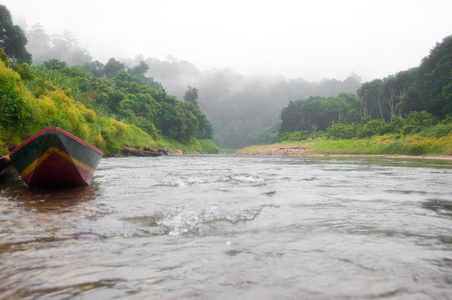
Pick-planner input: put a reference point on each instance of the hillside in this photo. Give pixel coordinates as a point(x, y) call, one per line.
point(125, 110)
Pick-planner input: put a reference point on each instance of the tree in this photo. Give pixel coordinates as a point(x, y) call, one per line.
point(191, 95)
point(319, 113)
point(434, 76)
point(66, 47)
point(96, 68)
point(395, 91)
point(39, 44)
point(139, 69)
point(371, 95)
point(12, 38)
point(113, 67)
point(63, 47)
point(55, 64)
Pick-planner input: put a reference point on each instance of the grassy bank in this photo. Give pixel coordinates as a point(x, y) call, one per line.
point(435, 141)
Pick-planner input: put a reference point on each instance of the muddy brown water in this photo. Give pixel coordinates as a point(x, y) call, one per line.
point(221, 227)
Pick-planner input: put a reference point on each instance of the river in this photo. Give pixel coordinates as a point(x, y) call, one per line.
point(226, 227)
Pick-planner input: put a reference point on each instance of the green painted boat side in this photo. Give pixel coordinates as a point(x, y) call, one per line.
point(28, 153)
point(31, 157)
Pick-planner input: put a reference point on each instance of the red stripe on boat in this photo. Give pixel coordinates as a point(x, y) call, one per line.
point(56, 169)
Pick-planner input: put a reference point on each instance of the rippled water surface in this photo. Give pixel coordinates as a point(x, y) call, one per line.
point(220, 227)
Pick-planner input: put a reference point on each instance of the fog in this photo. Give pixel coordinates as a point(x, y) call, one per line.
point(239, 106)
point(296, 39)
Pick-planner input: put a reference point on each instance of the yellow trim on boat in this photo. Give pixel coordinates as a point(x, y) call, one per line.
point(46, 154)
point(34, 164)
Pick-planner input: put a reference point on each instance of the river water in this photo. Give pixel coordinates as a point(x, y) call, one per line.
point(226, 227)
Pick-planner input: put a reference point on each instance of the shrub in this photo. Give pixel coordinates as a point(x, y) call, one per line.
point(341, 131)
point(16, 106)
point(46, 106)
point(393, 148)
point(415, 120)
point(371, 128)
point(415, 148)
point(295, 136)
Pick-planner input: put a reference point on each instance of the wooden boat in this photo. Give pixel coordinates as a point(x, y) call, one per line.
point(54, 157)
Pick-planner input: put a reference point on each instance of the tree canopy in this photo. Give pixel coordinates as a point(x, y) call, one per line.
point(64, 47)
point(124, 110)
point(425, 88)
point(12, 38)
point(191, 95)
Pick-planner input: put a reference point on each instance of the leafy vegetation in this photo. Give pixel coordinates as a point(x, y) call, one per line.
point(108, 113)
point(318, 113)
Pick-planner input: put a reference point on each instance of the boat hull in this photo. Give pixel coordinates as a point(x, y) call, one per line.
point(54, 157)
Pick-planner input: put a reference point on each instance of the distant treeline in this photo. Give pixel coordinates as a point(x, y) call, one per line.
point(379, 104)
point(241, 107)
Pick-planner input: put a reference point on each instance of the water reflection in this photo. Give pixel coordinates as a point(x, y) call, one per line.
point(61, 200)
point(32, 218)
point(49, 200)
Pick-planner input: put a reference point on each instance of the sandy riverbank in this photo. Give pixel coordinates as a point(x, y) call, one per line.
point(305, 152)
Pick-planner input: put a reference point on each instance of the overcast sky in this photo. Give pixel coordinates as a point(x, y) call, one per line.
point(298, 39)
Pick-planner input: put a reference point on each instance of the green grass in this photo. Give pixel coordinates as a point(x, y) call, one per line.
point(437, 131)
point(208, 146)
point(432, 141)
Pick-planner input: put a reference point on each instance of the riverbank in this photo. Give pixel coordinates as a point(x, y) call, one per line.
point(291, 150)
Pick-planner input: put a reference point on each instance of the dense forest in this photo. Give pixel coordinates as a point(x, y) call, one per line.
point(108, 105)
point(418, 96)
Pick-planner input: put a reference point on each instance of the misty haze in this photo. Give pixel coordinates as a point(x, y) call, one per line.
point(239, 106)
